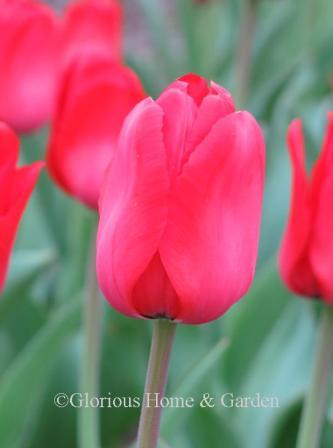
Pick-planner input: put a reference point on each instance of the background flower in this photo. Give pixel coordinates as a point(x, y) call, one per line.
point(307, 253)
point(29, 43)
point(95, 96)
point(93, 27)
point(37, 45)
point(16, 185)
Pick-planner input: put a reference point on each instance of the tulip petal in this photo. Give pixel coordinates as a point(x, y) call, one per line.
point(212, 109)
point(9, 151)
point(321, 247)
point(28, 82)
point(9, 146)
point(133, 207)
point(210, 244)
point(323, 165)
point(293, 259)
point(223, 93)
point(176, 103)
point(22, 183)
point(153, 295)
point(84, 134)
point(93, 27)
point(197, 86)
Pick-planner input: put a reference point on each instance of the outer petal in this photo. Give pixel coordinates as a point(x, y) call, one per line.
point(93, 27)
point(28, 74)
point(133, 208)
point(210, 244)
point(321, 247)
point(84, 134)
point(153, 295)
point(294, 258)
point(16, 186)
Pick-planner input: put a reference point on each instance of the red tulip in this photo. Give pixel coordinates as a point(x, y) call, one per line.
point(306, 256)
point(95, 97)
point(93, 27)
point(36, 46)
point(28, 61)
point(181, 205)
point(16, 185)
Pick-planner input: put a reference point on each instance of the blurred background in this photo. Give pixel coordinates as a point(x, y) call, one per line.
point(276, 58)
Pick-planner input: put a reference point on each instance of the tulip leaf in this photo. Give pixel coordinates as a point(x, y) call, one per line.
point(26, 263)
point(286, 427)
point(188, 385)
point(209, 429)
point(259, 310)
point(280, 369)
point(23, 379)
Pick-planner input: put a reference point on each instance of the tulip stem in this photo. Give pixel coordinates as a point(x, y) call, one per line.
point(244, 52)
point(89, 417)
point(316, 400)
point(157, 372)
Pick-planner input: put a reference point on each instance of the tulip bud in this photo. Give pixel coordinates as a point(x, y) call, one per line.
point(306, 255)
point(28, 61)
point(16, 185)
point(94, 98)
point(180, 206)
point(36, 46)
point(93, 28)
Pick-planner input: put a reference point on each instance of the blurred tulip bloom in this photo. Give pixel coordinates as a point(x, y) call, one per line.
point(93, 27)
point(306, 256)
point(28, 63)
point(95, 97)
point(181, 205)
point(16, 185)
point(36, 46)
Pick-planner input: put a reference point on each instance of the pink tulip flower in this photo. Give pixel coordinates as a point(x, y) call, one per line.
point(181, 205)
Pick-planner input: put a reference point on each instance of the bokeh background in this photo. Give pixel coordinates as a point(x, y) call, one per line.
point(264, 343)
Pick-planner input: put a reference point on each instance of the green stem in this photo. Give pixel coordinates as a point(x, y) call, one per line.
point(244, 52)
point(89, 417)
point(149, 426)
point(316, 400)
